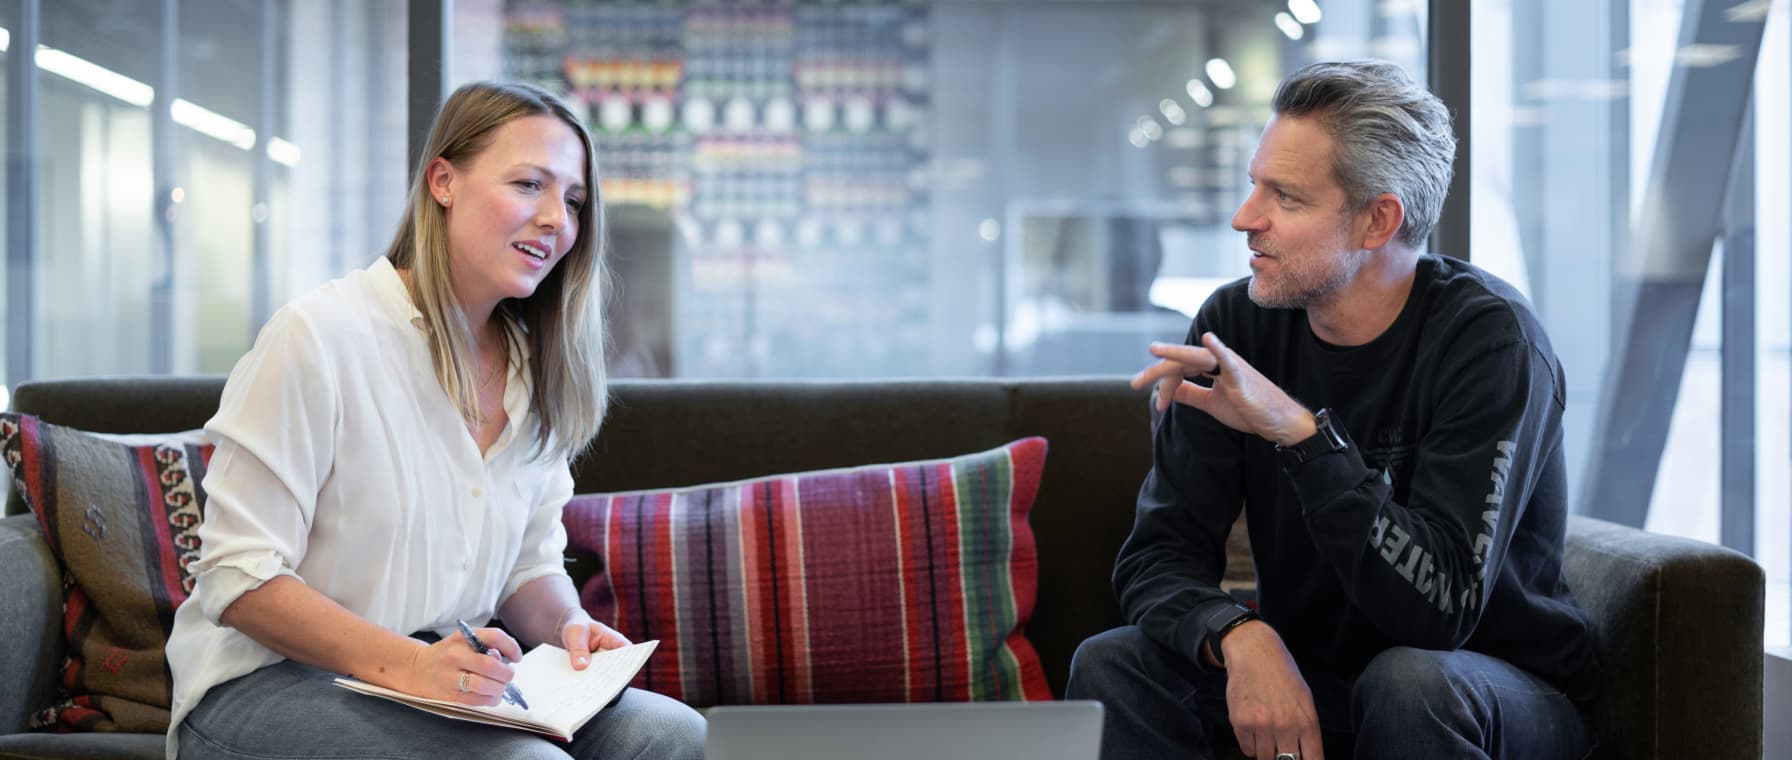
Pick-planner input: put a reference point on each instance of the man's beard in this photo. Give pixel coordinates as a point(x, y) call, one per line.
point(1311, 280)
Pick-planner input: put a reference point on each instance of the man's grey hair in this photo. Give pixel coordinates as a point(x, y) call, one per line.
point(1392, 136)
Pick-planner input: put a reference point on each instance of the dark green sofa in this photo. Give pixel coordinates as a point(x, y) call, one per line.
point(1679, 621)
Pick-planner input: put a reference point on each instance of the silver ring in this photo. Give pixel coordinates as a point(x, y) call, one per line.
point(1287, 756)
point(463, 687)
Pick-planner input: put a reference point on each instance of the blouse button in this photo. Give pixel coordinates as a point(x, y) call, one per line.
point(477, 492)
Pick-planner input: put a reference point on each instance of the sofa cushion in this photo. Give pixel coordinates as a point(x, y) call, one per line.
point(887, 583)
point(121, 515)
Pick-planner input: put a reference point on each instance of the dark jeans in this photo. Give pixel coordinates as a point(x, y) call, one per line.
point(289, 710)
point(1408, 703)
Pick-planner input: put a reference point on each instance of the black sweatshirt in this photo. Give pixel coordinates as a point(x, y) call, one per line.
point(1440, 527)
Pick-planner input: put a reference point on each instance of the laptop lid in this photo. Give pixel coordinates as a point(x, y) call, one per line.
point(980, 730)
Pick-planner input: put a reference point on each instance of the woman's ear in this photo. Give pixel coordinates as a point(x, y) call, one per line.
point(439, 177)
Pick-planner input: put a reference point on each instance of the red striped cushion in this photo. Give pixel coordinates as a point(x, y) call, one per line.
point(121, 514)
point(890, 583)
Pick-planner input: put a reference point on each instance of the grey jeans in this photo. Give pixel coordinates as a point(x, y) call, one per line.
point(289, 710)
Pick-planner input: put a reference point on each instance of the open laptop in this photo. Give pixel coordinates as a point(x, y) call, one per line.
point(943, 731)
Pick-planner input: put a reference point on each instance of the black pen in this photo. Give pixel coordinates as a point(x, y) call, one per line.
point(512, 694)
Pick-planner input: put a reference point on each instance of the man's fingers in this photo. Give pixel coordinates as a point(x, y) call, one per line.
point(1192, 395)
point(1157, 372)
point(1195, 360)
point(1225, 361)
point(1246, 741)
point(1289, 741)
point(1312, 744)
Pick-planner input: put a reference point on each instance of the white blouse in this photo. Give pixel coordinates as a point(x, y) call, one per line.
point(341, 461)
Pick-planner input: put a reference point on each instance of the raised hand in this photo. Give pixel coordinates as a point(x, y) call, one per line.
point(1241, 398)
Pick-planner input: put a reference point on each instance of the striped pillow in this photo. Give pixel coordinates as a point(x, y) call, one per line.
point(121, 514)
point(890, 583)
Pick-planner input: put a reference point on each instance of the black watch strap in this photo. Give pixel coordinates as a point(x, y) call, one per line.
point(1326, 438)
point(1240, 615)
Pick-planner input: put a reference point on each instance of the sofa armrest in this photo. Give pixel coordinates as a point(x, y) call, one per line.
point(1679, 628)
point(30, 621)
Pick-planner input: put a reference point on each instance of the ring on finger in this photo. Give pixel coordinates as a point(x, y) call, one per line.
point(463, 680)
point(1287, 756)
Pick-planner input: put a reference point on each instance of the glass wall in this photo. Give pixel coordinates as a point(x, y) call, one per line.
point(1603, 134)
point(912, 188)
point(915, 188)
point(150, 241)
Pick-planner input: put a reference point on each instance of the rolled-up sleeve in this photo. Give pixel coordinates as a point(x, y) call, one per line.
point(543, 550)
point(274, 431)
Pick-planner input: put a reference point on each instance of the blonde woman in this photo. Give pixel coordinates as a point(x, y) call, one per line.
point(393, 457)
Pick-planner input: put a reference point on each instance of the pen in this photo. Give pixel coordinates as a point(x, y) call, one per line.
point(512, 694)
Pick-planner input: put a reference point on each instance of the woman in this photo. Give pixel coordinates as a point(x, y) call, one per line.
point(393, 456)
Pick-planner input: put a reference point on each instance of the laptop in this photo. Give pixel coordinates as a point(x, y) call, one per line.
point(971, 730)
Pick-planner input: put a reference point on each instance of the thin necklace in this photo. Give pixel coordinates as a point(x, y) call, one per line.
point(492, 375)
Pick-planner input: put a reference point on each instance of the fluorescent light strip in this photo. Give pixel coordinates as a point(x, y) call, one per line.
point(187, 114)
point(98, 78)
point(1305, 11)
point(1289, 26)
point(216, 125)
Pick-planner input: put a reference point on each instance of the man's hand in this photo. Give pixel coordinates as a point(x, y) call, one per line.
point(1269, 703)
point(1241, 398)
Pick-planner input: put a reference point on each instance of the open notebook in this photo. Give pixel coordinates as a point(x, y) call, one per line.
point(560, 699)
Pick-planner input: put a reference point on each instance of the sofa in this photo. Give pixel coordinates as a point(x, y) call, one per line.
point(1679, 621)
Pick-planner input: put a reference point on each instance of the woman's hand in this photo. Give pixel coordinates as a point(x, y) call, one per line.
point(451, 670)
point(581, 636)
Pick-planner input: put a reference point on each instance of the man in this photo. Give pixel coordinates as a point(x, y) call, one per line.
point(1391, 423)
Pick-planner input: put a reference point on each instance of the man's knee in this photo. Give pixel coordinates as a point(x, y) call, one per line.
point(1407, 673)
point(1110, 656)
point(1404, 687)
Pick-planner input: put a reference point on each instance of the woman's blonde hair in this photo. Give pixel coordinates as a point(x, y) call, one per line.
point(562, 323)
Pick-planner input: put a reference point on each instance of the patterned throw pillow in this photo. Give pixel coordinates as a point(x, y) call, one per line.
point(891, 583)
point(121, 514)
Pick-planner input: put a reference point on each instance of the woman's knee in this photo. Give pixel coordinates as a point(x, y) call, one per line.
point(647, 725)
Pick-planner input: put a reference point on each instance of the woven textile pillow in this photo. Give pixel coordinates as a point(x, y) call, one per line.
point(121, 514)
point(891, 583)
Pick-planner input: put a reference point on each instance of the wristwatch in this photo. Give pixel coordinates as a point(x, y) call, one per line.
point(1240, 615)
point(1326, 440)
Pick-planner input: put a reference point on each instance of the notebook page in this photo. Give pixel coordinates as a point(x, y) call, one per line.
point(562, 697)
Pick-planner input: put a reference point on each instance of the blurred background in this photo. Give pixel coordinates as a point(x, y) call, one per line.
point(840, 189)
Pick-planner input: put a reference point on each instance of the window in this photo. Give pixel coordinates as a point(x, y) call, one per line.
point(918, 188)
point(1577, 125)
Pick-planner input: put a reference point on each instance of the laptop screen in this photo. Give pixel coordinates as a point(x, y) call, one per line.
point(981, 730)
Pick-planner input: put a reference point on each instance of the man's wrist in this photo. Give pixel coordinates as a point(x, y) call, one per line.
point(1239, 639)
point(1301, 427)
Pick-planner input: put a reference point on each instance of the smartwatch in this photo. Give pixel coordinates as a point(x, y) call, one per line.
point(1326, 440)
point(1240, 615)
